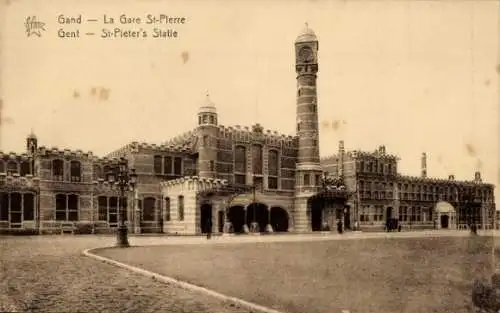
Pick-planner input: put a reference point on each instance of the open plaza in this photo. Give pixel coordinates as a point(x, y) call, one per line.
point(425, 271)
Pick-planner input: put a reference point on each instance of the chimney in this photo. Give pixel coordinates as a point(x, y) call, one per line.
point(451, 177)
point(341, 159)
point(477, 177)
point(424, 165)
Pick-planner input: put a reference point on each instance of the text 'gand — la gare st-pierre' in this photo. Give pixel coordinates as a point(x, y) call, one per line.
point(119, 26)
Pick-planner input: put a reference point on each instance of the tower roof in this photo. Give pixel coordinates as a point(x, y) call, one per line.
point(32, 135)
point(208, 105)
point(307, 35)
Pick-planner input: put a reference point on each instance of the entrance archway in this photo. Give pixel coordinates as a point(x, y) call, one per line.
point(445, 215)
point(258, 212)
point(205, 217)
point(279, 219)
point(220, 221)
point(316, 217)
point(236, 216)
point(445, 221)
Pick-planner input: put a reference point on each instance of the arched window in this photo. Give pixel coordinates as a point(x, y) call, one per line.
point(2, 167)
point(148, 213)
point(167, 209)
point(257, 159)
point(273, 166)
point(240, 165)
point(181, 208)
point(12, 168)
point(58, 170)
point(75, 171)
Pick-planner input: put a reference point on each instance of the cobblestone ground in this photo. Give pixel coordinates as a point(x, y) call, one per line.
point(50, 274)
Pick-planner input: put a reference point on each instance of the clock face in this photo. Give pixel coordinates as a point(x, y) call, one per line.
point(306, 54)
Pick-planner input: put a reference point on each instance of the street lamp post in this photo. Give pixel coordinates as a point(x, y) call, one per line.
point(126, 181)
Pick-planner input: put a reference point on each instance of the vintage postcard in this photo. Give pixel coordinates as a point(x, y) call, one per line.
point(247, 156)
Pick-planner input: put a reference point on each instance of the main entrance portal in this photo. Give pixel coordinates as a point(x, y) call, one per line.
point(445, 221)
point(206, 218)
point(328, 207)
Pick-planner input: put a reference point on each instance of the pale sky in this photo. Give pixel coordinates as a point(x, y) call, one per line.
point(415, 76)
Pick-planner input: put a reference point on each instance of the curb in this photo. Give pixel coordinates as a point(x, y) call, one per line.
point(182, 284)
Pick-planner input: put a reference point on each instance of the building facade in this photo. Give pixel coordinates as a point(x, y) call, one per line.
point(234, 179)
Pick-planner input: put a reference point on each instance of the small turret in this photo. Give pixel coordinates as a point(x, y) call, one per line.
point(31, 143)
point(207, 114)
point(207, 138)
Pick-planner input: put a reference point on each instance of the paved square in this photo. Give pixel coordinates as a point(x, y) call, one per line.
point(370, 275)
point(50, 274)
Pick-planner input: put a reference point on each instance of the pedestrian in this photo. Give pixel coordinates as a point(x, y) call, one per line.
point(209, 228)
point(339, 226)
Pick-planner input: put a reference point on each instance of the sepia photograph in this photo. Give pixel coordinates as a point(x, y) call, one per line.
point(319, 156)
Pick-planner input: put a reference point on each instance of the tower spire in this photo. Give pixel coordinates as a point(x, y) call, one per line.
point(308, 171)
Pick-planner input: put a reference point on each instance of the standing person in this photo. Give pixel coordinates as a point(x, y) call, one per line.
point(339, 226)
point(209, 228)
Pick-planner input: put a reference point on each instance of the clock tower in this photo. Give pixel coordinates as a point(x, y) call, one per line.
point(308, 169)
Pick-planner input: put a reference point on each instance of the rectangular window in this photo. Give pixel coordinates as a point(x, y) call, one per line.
point(60, 207)
point(178, 166)
point(272, 183)
point(307, 180)
point(257, 159)
point(158, 163)
point(167, 169)
point(72, 208)
point(102, 208)
point(113, 210)
point(29, 207)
